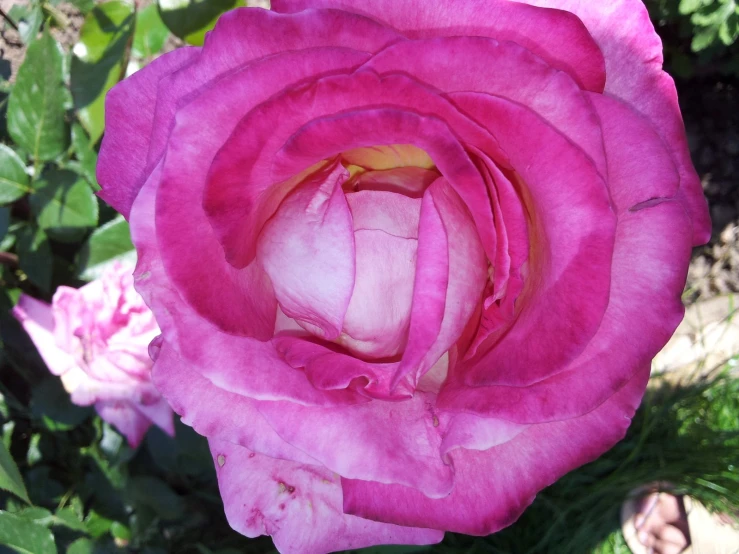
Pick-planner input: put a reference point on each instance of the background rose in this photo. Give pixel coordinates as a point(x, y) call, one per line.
point(96, 339)
point(422, 336)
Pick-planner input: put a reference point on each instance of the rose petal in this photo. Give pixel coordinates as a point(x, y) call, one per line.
point(370, 441)
point(489, 491)
point(633, 55)
point(123, 416)
point(36, 318)
point(191, 252)
point(572, 232)
point(566, 45)
point(129, 118)
point(298, 504)
point(307, 249)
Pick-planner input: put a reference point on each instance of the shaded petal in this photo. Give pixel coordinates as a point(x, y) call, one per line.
point(633, 55)
point(216, 413)
point(370, 441)
point(572, 231)
point(129, 118)
point(566, 44)
point(37, 320)
point(650, 263)
point(300, 505)
point(123, 416)
point(160, 415)
point(307, 249)
point(489, 491)
point(407, 181)
point(640, 167)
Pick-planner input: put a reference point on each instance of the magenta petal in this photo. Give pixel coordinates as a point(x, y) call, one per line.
point(297, 129)
point(37, 320)
point(633, 54)
point(571, 232)
point(307, 249)
point(650, 262)
point(160, 414)
point(370, 441)
point(216, 413)
point(451, 274)
point(126, 418)
point(493, 487)
point(191, 253)
point(566, 45)
point(503, 69)
point(243, 36)
point(129, 116)
point(299, 504)
point(640, 167)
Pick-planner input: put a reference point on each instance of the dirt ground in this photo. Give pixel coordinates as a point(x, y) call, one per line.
point(712, 123)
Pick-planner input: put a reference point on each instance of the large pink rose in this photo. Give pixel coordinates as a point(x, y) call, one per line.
point(96, 338)
point(411, 259)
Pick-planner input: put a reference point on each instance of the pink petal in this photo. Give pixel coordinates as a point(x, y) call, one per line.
point(36, 318)
point(370, 441)
point(633, 54)
point(124, 417)
point(395, 214)
point(216, 413)
point(572, 233)
point(376, 324)
point(650, 262)
point(191, 253)
point(301, 127)
point(477, 64)
point(566, 44)
point(490, 491)
point(452, 270)
point(242, 36)
point(299, 504)
point(640, 167)
point(307, 249)
point(266, 375)
point(160, 415)
point(129, 115)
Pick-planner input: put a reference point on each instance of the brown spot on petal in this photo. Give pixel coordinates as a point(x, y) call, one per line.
point(221, 460)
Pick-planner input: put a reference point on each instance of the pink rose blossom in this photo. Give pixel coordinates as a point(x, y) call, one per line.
point(411, 259)
point(96, 339)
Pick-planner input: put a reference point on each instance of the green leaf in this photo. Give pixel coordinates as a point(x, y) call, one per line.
point(99, 61)
point(107, 244)
point(155, 494)
point(10, 477)
point(34, 256)
point(86, 155)
point(24, 536)
point(151, 32)
point(13, 176)
point(64, 205)
point(191, 19)
point(68, 518)
point(36, 115)
point(81, 546)
point(51, 404)
point(4, 221)
point(30, 24)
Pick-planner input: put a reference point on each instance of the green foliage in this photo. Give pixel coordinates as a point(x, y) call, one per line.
point(99, 61)
point(191, 19)
point(698, 34)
